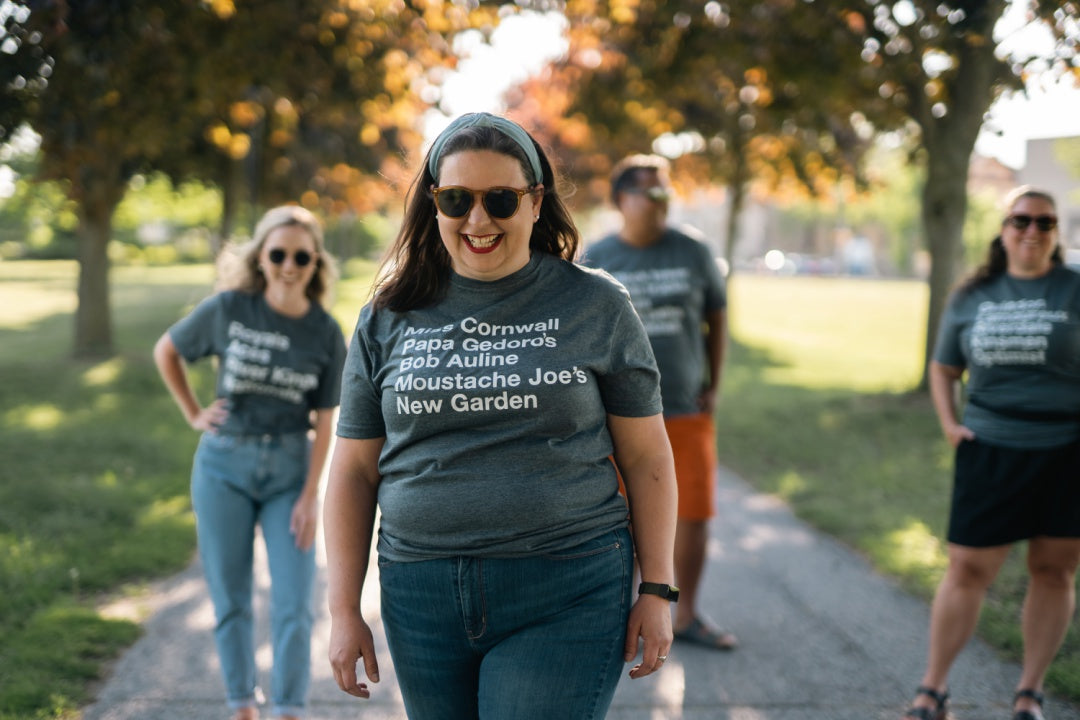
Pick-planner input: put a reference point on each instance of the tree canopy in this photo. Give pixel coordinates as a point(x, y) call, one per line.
point(780, 89)
point(304, 100)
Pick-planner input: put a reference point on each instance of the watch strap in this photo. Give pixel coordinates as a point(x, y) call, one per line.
point(668, 592)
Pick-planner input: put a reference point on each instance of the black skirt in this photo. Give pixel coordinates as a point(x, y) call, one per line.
point(1002, 495)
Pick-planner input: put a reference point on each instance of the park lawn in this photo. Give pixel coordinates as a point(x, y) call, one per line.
point(94, 491)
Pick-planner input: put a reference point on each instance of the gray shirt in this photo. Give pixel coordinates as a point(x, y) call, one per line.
point(273, 369)
point(674, 283)
point(1020, 342)
point(494, 405)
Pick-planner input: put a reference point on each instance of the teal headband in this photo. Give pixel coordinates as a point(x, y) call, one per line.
point(508, 128)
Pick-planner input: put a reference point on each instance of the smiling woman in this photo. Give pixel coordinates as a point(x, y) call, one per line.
point(498, 483)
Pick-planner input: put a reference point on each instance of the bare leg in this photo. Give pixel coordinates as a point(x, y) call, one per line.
point(691, 537)
point(955, 610)
point(1048, 608)
point(246, 713)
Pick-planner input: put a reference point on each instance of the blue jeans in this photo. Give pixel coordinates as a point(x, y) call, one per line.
point(526, 638)
point(238, 482)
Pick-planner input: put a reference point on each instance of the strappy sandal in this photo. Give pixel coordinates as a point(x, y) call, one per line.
point(925, 713)
point(1035, 695)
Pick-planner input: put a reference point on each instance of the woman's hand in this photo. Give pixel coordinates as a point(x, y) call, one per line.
point(957, 433)
point(211, 417)
point(304, 520)
point(650, 620)
point(351, 642)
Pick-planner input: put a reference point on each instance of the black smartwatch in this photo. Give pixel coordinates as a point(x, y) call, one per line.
point(668, 592)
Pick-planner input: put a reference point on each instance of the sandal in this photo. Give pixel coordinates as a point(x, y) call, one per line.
point(699, 633)
point(1035, 695)
point(925, 713)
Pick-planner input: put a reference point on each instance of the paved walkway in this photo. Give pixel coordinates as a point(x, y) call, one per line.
point(823, 638)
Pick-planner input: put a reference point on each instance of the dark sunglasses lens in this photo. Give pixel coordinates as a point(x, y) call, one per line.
point(1045, 223)
point(302, 257)
point(277, 256)
point(454, 202)
point(501, 203)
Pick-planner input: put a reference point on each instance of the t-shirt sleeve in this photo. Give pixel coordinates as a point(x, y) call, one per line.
point(631, 386)
point(360, 416)
point(193, 335)
point(947, 348)
point(329, 393)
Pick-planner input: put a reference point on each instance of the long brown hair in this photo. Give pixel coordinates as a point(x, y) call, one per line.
point(416, 269)
point(997, 261)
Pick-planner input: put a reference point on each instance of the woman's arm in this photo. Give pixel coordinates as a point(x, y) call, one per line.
point(643, 455)
point(305, 513)
point(943, 382)
point(349, 518)
point(171, 367)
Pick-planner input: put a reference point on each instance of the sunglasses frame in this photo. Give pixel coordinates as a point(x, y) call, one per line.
point(278, 256)
point(1022, 221)
point(435, 191)
point(655, 193)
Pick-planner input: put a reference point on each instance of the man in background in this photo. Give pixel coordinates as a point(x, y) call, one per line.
point(677, 289)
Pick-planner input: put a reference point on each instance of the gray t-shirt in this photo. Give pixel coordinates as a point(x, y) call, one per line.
point(273, 369)
point(1020, 342)
point(493, 403)
point(673, 283)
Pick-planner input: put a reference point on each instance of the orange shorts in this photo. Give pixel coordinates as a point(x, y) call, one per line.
point(693, 443)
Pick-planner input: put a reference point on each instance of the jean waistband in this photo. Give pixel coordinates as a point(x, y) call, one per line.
point(262, 438)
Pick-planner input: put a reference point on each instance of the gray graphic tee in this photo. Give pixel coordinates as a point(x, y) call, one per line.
point(273, 369)
point(673, 284)
point(1020, 342)
point(493, 403)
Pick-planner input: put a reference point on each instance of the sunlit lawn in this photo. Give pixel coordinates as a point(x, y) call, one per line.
point(93, 487)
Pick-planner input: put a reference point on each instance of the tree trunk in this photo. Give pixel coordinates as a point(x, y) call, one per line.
point(93, 316)
point(949, 142)
point(739, 180)
point(231, 199)
point(944, 206)
point(738, 199)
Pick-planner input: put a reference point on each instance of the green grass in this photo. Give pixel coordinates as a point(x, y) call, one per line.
point(94, 483)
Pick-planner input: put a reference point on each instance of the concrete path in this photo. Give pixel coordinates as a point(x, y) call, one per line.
point(823, 638)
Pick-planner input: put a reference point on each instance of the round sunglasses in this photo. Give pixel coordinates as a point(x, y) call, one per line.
point(1045, 223)
point(300, 257)
point(501, 203)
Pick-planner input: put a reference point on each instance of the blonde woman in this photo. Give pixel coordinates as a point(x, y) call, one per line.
point(265, 439)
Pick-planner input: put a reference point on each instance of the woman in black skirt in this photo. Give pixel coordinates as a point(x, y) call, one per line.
point(1014, 327)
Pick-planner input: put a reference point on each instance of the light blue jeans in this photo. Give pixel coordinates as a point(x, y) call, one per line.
point(239, 482)
point(530, 638)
